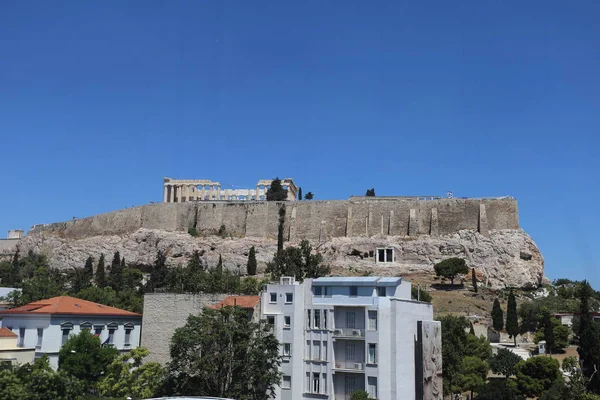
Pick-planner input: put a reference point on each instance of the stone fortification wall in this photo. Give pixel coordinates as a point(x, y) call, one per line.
point(313, 220)
point(165, 312)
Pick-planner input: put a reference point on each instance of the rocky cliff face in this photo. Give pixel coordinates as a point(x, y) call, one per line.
point(506, 258)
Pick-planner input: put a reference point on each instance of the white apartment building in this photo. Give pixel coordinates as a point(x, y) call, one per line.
point(342, 334)
point(47, 324)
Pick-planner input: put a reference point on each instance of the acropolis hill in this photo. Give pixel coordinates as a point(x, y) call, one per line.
point(380, 235)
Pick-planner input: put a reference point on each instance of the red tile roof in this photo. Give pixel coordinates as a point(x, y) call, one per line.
point(68, 305)
point(5, 332)
point(240, 301)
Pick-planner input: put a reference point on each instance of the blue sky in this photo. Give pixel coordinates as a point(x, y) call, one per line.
point(99, 100)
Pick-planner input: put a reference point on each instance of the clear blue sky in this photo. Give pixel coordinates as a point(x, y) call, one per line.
point(99, 100)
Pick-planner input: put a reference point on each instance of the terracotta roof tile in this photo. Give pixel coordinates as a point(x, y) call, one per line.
point(240, 301)
point(68, 305)
point(5, 332)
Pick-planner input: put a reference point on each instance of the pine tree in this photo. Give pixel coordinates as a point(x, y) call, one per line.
point(497, 316)
point(512, 320)
point(299, 193)
point(309, 196)
point(100, 273)
point(251, 266)
point(276, 192)
point(474, 279)
point(370, 192)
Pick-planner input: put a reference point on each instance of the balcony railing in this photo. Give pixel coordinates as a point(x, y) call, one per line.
point(349, 366)
point(349, 333)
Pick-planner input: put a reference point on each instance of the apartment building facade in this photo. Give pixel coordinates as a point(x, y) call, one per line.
point(343, 334)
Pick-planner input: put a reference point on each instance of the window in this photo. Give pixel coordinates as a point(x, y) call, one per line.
point(385, 255)
point(289, 298)
point(353, 291)
point(127, 337)
point(308, 349)
point(372, 320)
point(307, 385)
point(324, 319)
point(272, 298)
point(316, 382)
point(318, 291)
point(372, 353)
point(40, 336)
point(65, 335)
point(287, 349)
point(324, 352)
point(350, 383)
point(271, 320)
point(350, 351)
point(324, 383)
point(317, 319)
point(111, 336)
point(316, 354)
point(381, 291)
point(350, 319)
point(85, 326)
point(389, 255)
point(21, 337)
point(287, 321)
point(98, 330)
point(308, 320)
point(372, 386)
point(380, 255)
point(287, 382)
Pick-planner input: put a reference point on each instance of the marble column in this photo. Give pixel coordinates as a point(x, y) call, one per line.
point(165, 191)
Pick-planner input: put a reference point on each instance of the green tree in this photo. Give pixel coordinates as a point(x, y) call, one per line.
point(276, 192)
point(299, 193)
point(280, 228)
point(360, 395)
point(100, 273)
point(11, 387)
point(297, 262)
point(450, 268)
point(497, 316)
point(115, 273)
point(313, 263)
point(45, 284)
point(537, 374)
point(78, 279)
point(89, 268)
point(589, 339)
point(473, 374)
point(309, 196)
point(128, 376)
point(474, 279)
point(504, 362)
point(219, 268)
point(7, 274)
point(454, 341)
point(512, 320)
point(251, 265)
point(548, 330)
point(499, 390)
point(159, 274)
point(370, 193)
point(416, 293)
point(222, 353)
point(478, 347)
point(84, 357)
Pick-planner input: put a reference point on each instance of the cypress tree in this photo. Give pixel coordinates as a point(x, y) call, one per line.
point(89, 268)
point(300, 193)
point(101, 273)
point(497, 316)
point(512, 320)
point(220, 264)
point(116, 272)
point(589, 339)
point(280, 229)
point(548, 327)
point(474, 279)
point(251, 266)
point(276, 192)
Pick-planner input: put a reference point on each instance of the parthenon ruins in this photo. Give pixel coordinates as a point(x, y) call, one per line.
point(182, 190)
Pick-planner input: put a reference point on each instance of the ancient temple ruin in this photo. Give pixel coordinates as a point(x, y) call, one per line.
point(185, 190)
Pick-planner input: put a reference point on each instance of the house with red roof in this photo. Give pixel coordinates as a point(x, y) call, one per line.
point(249, 303)
point(47, 324)
point(10, 352)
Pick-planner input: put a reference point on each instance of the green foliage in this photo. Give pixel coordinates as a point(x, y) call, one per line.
point(224, 354)
point(497, 316)
point(280, 228)
point(89, 268)
point(419, 294)
point(558, 338)
point(558, 391)
point(45, 283)
point(128, 376)
point(504, 362)
point(499, 390)
point(115, 273)
point(192, 231)
point(309, 196)
point(569, 364)
point(478, 347)
point(370, 192)
point(450, 268)
point(473, 374)
point(84, 357)
point(589, 339)
point(78, 279)
point(512, 319)
point(360, 395)
point(100, 276)
point(537, 375)
point(11, 387)
point(159, 274)
point(454, 340)
point(9, 275)
point(276, 192)
point(299, 193)
point(251, 265)
point(222, 233)
point(474, 279)
point(299, 262)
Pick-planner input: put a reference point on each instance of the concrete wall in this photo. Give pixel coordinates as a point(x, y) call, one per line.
point(316, 220)
point(165, 312)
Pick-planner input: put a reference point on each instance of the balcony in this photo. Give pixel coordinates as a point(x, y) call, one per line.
point(350, 366)
point(349, 333)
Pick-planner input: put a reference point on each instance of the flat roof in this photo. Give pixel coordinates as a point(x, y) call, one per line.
point(357, 281)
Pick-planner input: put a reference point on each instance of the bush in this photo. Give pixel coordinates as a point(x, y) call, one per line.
point(192, 231)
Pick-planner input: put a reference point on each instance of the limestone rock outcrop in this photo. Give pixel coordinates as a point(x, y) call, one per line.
point(505, 257)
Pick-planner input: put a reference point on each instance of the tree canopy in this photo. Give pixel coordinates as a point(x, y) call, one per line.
point(512, 319)
point(276, 192)
point(537, 375)
point(497, 316)
point(504, 362)
point(299, 262)
point(450, 268)
point(222, 353)
point(370, 193)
